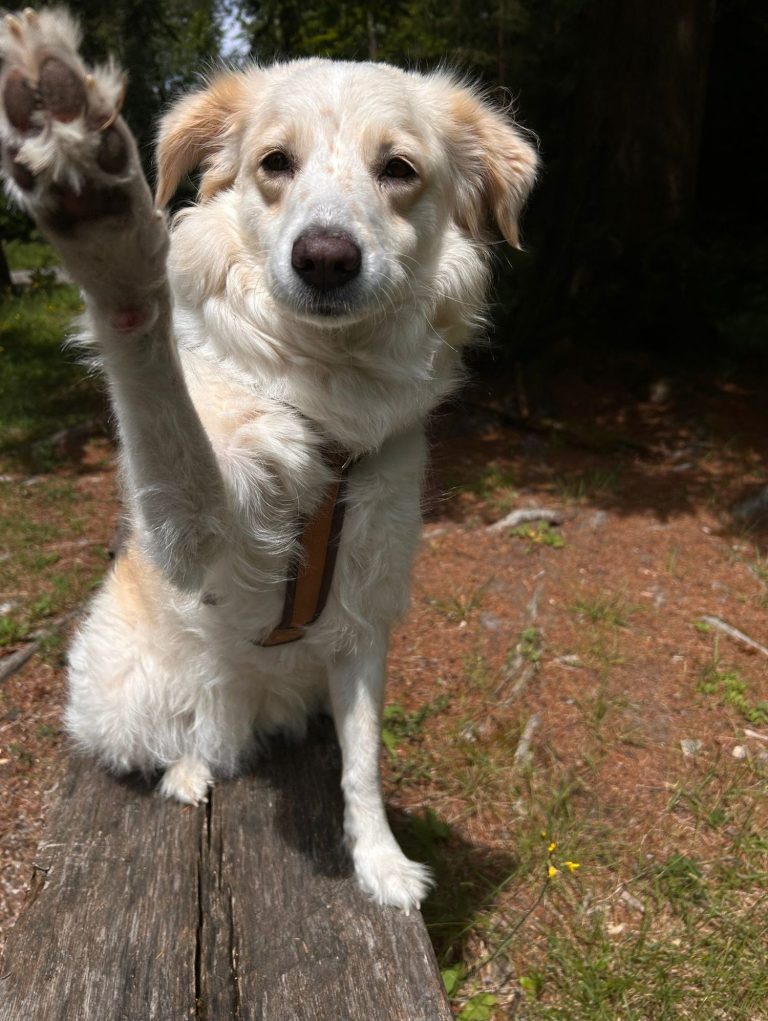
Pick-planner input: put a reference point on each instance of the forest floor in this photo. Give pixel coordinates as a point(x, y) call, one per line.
point(579, 754)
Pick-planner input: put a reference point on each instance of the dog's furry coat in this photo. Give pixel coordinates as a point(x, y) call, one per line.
point(229, 372)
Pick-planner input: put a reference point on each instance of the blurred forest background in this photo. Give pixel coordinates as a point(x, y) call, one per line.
point(647, 231)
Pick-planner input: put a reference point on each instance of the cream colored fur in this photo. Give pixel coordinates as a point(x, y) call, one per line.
point(226, 382)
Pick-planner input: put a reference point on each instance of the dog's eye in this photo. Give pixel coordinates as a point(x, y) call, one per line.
point(277, 163)
point(399, 170)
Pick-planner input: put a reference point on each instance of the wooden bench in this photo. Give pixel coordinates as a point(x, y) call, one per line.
point(246, 908)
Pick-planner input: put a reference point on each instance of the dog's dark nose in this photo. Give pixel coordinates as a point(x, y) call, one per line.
point(325, 260)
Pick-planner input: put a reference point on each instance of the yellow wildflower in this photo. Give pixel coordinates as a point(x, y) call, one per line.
point(552, 847)
point(572, 865)
point(552, 872)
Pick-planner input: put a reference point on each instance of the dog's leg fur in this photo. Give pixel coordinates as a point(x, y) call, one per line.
point(356, 683)
point(71, 162)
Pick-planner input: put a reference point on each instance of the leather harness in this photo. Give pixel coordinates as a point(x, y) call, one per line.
point(311, 570)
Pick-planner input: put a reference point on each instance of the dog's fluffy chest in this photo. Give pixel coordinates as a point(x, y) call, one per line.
point(275, 467)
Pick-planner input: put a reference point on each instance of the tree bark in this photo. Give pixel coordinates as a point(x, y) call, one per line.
point(5, 271)
point(625, 180)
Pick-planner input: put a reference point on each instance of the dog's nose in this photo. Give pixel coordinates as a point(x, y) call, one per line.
point(325, 260)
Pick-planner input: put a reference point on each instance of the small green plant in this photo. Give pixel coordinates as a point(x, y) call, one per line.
point(731, 688)
point(46, 732)
point(583, 486)
point(759, 567)
point(23, 756)
point(12, 630)
point(680, 880)
point(672, 562)
point(400, 726)
point(453, 978)
point(612, 610)
point(532, 984)
point(458, 607)
point(530, 644)
point(542, 534)
point(480, 1007)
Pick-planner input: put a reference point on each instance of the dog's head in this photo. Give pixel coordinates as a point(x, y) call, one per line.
point(345, 183)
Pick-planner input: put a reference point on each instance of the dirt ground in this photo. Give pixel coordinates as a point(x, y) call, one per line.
point(551, 682)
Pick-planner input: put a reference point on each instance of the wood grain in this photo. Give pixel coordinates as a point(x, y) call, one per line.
point(243, 909)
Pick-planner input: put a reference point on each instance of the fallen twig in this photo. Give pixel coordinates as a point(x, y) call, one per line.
point(523, 750)
point(16, 660)
point(521, 668)
point(524, 515)
point(734, 633)
point(755, 734)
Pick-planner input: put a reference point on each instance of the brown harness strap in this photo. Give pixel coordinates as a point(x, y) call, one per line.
point(311, 574)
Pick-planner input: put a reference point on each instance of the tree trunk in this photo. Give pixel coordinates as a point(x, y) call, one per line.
point(370, 25)
point(624, 184)
point(5, 271)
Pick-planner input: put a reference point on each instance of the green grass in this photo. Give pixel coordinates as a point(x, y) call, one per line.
point(579, 487)
point(34, 254)
point(610, 609)
point(42, 390)
point(697, 952)
point(512, 941)
point(401, 726)
point(495, 484)
point(42, 387)
point(732, 688)
point(456, 608)
point(33, 520)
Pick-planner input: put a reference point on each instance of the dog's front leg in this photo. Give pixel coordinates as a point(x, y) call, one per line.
point(357, 687)
point(70, 160)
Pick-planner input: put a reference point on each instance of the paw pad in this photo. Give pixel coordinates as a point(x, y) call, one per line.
point(112, 156)
point(61, 90)
point(20, 101)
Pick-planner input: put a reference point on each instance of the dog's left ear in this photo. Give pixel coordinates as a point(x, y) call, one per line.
point(202, 128)
point(494, 166)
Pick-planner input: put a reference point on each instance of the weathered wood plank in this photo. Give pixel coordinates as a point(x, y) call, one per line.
point(244, 909)
point(111, 928)
point(287, 934)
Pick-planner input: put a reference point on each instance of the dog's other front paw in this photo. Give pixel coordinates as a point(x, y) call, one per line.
point(187, 780)
point(386, 875)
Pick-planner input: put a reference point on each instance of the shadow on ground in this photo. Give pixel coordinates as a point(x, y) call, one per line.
point(626, 442)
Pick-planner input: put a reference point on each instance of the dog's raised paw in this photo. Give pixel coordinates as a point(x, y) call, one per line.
point(187, 780)
point(388, 877)
point(65, 151)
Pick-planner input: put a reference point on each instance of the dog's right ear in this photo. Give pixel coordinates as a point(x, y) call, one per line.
point(495, 163)
point(202, 128)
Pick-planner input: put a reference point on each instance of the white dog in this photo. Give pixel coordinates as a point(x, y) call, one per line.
point(271, 366)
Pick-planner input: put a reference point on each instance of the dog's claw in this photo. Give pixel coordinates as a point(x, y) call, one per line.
point(14, 26)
